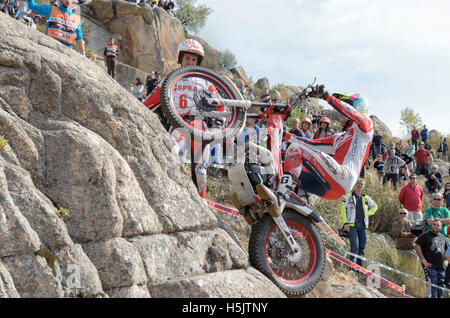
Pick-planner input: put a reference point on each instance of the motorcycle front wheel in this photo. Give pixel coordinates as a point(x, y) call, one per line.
point(295, 274)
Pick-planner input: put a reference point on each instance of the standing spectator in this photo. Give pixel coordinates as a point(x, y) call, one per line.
point(384, 152)
point(429, 147)
point(60, 22)
point(414, 137)
point(403, 175)
point(437, 211)
point(379, 166)
point(7, 8)
point(153, 83)
point(295, 129)
point(324, 129)
point(138, 89)
point(410, 150)
point(447, 195)
point(17, 10)
point(250, 94)
point(424, 133)
point(376, 144)
point(431, 248)
point(434, 182)
point(423, 160)
point(315, 120)
point(111, 52)
point(411, 197)
point(306, 128)
point(391, 168)
point(148, 81)
point(401, 231)
point(266, 97)
point(356, 208)
point(443, 148)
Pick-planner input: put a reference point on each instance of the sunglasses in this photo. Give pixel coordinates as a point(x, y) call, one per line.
point(403, 213)
point(437, 199)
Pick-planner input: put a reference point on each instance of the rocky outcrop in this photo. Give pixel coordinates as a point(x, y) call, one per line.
point(77, 140)
point(148, 38)
point(380, 126)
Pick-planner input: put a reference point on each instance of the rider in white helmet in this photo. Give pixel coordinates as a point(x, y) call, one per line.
point(190, 53)
point(308, 163)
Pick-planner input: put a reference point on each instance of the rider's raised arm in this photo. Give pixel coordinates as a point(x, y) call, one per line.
point(348, 111)
point(322, 144)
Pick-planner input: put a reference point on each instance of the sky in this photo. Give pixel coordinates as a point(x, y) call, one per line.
point(396, 53)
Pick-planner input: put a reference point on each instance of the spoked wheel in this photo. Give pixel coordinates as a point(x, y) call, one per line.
point(295, 274)
point(183, 100)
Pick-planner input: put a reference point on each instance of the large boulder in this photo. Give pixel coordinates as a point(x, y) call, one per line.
point(148, 38)
point(380, 126)
point(79, 141)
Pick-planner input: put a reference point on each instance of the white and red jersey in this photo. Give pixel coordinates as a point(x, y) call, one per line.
point(349, 149)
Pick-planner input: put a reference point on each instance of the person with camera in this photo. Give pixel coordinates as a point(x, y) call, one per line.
point(401, 231)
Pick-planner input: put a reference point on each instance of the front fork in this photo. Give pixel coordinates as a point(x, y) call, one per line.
point(281, 223)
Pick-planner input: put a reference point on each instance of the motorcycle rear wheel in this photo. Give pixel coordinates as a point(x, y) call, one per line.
point(199, 79)
point(269, 253)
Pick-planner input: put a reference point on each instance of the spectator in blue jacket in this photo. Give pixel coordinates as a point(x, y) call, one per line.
point(62, 24)
point(424, 133)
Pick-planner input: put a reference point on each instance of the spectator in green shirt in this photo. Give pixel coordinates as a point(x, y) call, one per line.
point(436, 211)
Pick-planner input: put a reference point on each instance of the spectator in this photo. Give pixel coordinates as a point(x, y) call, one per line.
point(61, 30)
point(384, 153)
point(379, 166)
point(356, 208)
point(401, 231)
point(424, 133)
point(431, 248)
point(423, 160)
point(414, 137)
point(148, 80)
point(170, 5)
point(315, 120)
point(324, 129)
point(250, 95)
point(153, 3)
point(17, 10)
point(403, 175)
point(266, 97)
point(376, 144)
point(391, 168)
point(434, 182)
point(295, 129)
point(7, 8)
point(138, 89)
point(110, 53)
point(429, 147)
point(437, 211)
point(443, 148)
point(405, 157)
point(162, 3)
point(306, 128)
point(153, 83)
point(411, 197)
point(410, 150)
point(447, 195)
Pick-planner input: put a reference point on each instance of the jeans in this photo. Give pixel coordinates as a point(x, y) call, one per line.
point(435, 277)
point(422, 168)
point(415, 215)
point(358, 239)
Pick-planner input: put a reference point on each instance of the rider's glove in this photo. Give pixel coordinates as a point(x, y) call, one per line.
point(318, 91)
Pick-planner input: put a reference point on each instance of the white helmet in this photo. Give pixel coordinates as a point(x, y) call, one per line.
point(190, 46)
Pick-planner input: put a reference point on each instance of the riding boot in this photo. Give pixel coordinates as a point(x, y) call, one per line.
point(278, 199)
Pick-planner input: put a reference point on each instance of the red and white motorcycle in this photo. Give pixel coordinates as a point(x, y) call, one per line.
point(287, 248)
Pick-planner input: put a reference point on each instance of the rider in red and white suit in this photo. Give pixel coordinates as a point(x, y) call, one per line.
point(190, 53)
point(308, 162)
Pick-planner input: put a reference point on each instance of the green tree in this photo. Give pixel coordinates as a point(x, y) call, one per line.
point(193, 18)
point(409, 119)
point(227, 59)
